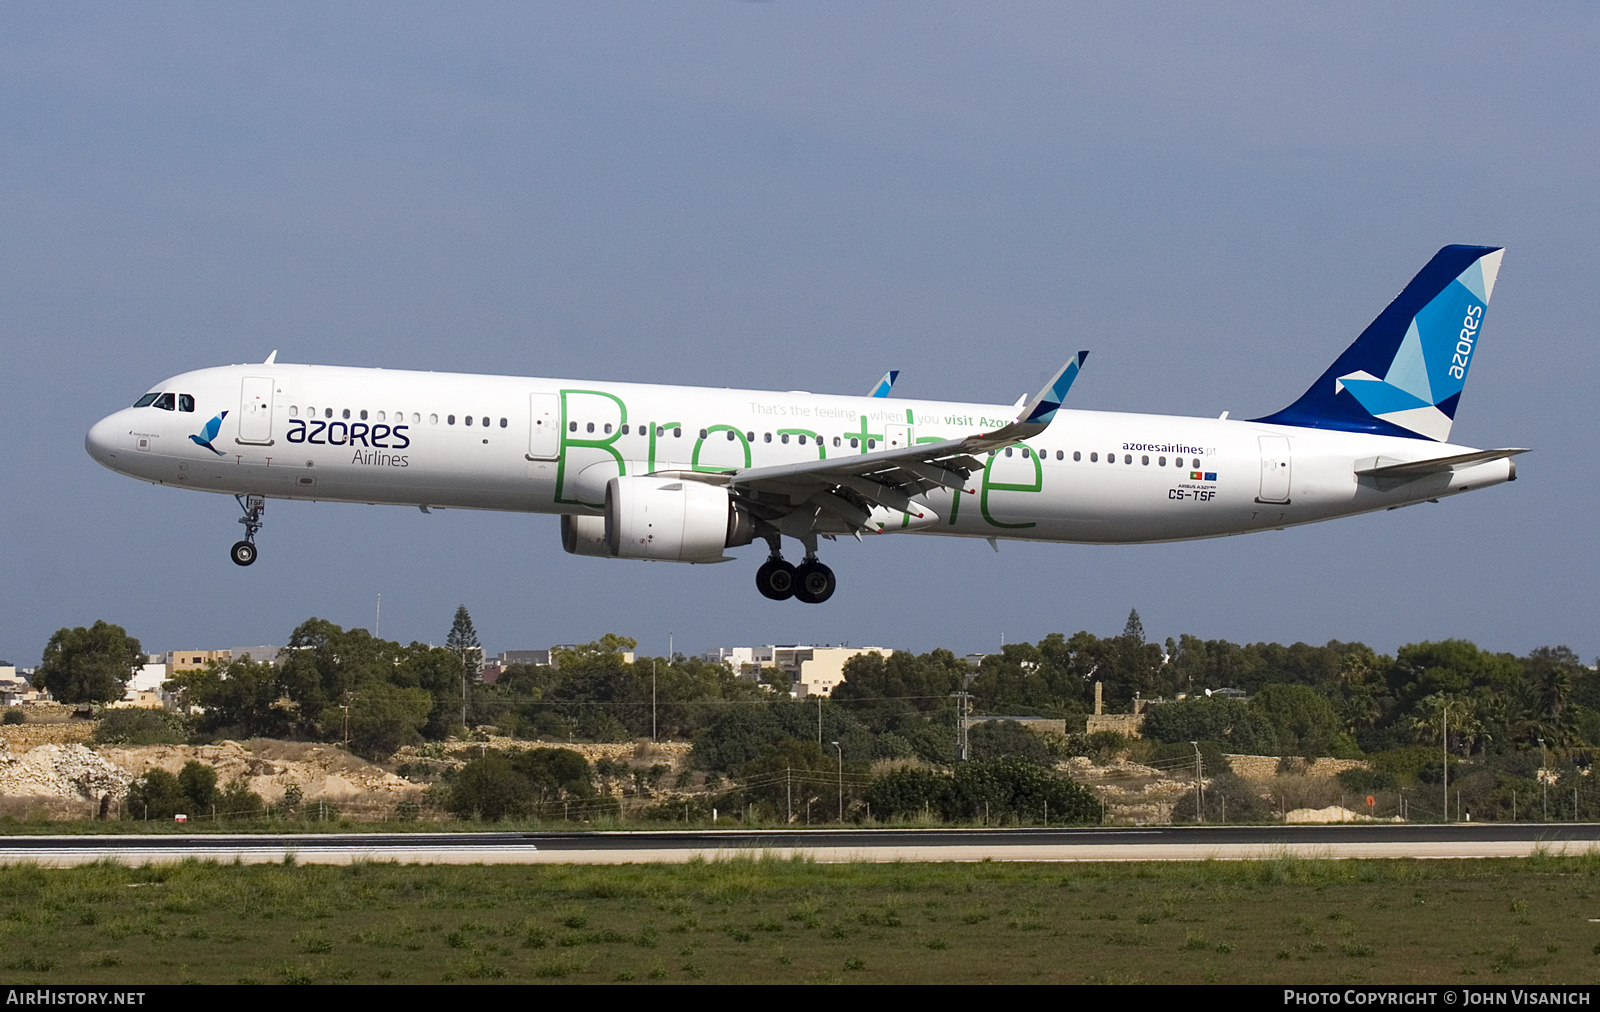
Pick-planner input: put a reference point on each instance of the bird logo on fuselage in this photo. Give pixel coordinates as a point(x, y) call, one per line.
point(209, 433)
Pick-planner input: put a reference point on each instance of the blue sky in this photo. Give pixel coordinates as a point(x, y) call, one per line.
point(782, 195)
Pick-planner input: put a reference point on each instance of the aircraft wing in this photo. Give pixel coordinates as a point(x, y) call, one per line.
point(847, 487)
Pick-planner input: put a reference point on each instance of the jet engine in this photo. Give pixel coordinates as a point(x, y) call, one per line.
point(584, 535)
point(670, 520)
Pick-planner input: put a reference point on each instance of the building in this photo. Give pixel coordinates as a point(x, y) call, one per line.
point(538, 658)
point(740, 660)
point(259, 654)
point(813, 671)
point(178, 661)
point(1125, 724)
point(545, 658)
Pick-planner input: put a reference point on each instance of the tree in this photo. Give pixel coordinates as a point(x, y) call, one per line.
point(90, 665)
point(463, 639)
point(241, 699)
point(1241, 726)
point(1133, 629)
point(385, 717)
point(1305, 723)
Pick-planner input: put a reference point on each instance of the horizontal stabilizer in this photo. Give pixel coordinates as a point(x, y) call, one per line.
point(1437, 465)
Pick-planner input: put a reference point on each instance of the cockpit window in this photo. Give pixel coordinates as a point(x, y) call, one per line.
point(186, 402)
point(146, 400)
point(166, 402)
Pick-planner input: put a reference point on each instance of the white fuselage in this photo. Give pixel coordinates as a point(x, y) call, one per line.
point(549, 446)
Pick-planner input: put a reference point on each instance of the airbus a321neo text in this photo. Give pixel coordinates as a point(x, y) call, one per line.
point(682, 474)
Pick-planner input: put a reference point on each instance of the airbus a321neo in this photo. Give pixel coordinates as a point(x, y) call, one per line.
point(682, 474)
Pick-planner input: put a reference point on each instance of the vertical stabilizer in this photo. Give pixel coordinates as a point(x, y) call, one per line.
point(1404, 375)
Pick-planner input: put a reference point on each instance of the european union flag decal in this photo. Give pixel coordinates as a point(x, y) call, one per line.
point(1202, 476)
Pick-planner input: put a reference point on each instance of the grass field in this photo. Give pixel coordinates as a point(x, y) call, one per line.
point(757, 919)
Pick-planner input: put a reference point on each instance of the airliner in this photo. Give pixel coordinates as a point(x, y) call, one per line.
point(683, 474)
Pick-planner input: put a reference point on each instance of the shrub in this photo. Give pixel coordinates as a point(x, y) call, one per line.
point(13, 716)
point(238, 801)
point(198, 782)
point(490, 788)
point(139, 727)
point(156, 795)
point(999, 739)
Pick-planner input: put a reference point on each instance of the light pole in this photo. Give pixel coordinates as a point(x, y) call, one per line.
point(841, 781)
point(652, 699)
point(1199, 811)
point(1446, 711)
point(1544, 782)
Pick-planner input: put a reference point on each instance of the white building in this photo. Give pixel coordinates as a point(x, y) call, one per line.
point(813, 671)
point(740, 660)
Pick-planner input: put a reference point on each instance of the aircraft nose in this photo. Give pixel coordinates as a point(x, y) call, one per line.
point(102, 441)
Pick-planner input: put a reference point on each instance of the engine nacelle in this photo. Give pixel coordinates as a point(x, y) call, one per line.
point(584, 535)
point(672, 520)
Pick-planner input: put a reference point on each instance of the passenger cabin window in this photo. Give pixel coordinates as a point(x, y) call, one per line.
point(749, 437)
point(468, 420)
point(1161, 462)
point(504, 423)
point(1127, 458)
point(1094, 458)
point(327, 412)
point(451, 420)
point(363, 414)
point(146, 400)
point(186, 402)
point(347, 412)
point(294, 411)
point(732, 435)
point(1145, 460)
point(1077, 454)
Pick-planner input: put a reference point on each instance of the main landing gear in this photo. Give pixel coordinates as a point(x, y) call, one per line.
point(810, 582)
point(243, 552)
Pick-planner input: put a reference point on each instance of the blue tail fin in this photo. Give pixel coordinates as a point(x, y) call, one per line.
point(1403, 376)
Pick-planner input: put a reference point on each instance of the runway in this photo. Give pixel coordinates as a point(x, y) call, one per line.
point(1155, 843)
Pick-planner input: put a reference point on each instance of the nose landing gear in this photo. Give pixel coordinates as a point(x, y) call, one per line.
point(243, 552)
